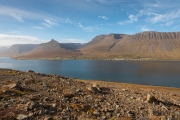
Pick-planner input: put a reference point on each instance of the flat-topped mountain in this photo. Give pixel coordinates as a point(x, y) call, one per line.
point(158, 45)
point(145, 45)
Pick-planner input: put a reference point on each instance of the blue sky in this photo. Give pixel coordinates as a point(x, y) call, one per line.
point(37, 21)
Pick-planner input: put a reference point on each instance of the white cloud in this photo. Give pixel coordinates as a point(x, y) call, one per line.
point(80, 25)
point(14, 32)
point(152, 16)
point(169, 23)
point(178, 26)
point(20, 14)
point(160, 4)
point(17, 17)
point(146, 29)
point(109, 1)
point(8, 40)
point(49, 23)
point(88, 28)
point(68, 21)
point(38, 27)
point(72, 40)
point(164, 17)
point(103, 17)
point(132, 19)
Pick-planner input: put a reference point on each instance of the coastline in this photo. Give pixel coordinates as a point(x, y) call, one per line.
point(30, 95)
point(107, 59)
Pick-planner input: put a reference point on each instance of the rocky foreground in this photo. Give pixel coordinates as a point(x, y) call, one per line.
point(29, 95)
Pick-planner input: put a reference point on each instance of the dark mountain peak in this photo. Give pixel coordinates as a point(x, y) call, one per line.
point(49, 45)
point(53, 41)
point(111, 37)
point(118, 36)
point(71, 46)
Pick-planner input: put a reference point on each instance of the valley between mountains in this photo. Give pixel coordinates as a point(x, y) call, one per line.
point(140, 46)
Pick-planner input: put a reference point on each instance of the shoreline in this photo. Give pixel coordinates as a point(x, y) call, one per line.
point(142, 60)
point(141, 86)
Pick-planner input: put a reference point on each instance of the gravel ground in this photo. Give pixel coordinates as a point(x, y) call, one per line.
point(29, 95)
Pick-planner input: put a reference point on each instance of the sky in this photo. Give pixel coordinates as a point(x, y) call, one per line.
point(79, 21)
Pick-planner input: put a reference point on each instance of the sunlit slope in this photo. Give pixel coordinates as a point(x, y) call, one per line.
point(158, 45)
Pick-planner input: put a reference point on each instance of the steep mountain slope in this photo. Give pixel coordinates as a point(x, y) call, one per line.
point(18, 49)
point(158, 45)
point(50, 49)
point(146, 45)
point(101, 45)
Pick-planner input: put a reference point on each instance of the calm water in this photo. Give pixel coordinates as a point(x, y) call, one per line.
point(163, 73)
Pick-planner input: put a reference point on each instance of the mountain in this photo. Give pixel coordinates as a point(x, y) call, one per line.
point(101, 45)
point(145, 45)
point(153, 45)
point(52, 49)
point(3, 49)
point(18, 49)
point(71, 46)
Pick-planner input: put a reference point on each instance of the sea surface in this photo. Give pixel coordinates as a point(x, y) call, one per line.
point(159, 73)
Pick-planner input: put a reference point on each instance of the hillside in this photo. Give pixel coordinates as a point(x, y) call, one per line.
point(101, 45)
point(145, 45)
point(51, 49)
point(17, 49)
point(157, 45)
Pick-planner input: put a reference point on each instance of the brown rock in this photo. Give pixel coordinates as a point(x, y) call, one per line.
point(21, 117)
point(151, 99)
point(93, 89)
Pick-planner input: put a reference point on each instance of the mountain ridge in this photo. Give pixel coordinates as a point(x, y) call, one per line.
point(144, 45)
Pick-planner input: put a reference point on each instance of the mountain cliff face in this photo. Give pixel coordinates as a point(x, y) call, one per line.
point(102, 43)
point(159, 45)
point(146, 45)
point(50, 49)
point(71, 46)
